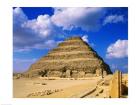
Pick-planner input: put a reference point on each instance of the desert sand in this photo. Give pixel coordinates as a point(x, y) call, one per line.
point(90, 87)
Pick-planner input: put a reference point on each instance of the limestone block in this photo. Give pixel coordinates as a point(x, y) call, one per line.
point(104, 73)
point(81, 74)
point(89, 75)
point(68, 73)
point(98, 72)
point(115, 87)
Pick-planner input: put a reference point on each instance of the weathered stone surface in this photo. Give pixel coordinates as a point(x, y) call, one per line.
point(115, 87)
point(71, 58)
point(125, 84)
point(119, 85)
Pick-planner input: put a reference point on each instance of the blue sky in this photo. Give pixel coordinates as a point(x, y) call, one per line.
point(38, 30)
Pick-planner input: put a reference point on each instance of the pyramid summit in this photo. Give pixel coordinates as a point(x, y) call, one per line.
point(72, 58)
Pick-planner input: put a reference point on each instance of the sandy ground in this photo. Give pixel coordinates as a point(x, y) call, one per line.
point(23, 87)
point(93, 88)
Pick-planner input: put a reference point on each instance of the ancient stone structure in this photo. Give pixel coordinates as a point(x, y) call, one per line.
point(119, 85)
point(124, 85)
point(72, 58)
point(115, 88)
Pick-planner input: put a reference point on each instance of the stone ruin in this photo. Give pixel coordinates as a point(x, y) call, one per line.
point(72, 58)
point(119, 85)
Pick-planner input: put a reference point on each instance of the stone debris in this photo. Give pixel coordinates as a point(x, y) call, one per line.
point(44, 93)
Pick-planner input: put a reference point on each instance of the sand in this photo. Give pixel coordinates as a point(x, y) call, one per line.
point(69, 88)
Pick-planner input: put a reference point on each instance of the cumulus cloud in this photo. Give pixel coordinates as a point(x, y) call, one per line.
point(36, 33)
point(85, 38)
point(39, 33)
point(43, 26)
point(84, 18)
point(19, 16)
point(49, 44)
point(119, 49)
point(113, 19)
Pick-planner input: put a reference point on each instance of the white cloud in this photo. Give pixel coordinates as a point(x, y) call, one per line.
point(49, 44)
point(19, 16)
point(113, 19)
point(85, 38)
point(43, 26)
point(39, 32)
point(84, 18)
point(33, 34)
point(119, 49)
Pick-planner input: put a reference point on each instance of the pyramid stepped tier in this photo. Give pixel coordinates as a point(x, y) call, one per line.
point(69, 55)
point(72, 58)
point(74, 43)
point(69, 49)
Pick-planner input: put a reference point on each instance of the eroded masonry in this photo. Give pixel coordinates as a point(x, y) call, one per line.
point(72, 58)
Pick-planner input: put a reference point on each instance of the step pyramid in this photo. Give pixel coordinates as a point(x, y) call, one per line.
point(72, 58)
